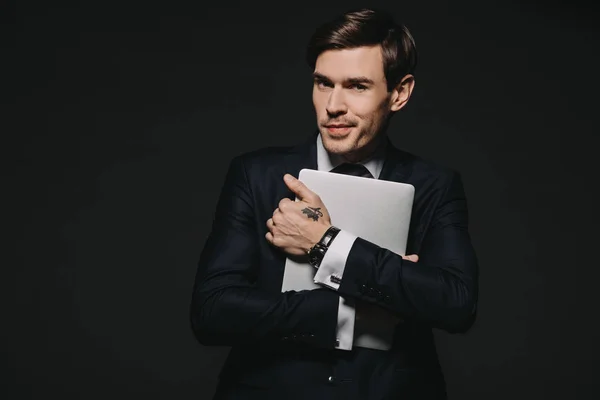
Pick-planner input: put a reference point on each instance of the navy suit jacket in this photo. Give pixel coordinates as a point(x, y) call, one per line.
point(283, 344)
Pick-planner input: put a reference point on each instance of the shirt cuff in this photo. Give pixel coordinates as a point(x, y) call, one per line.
point(332, 266)
point(345, 325)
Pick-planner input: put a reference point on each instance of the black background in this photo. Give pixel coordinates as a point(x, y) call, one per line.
point(120, 119)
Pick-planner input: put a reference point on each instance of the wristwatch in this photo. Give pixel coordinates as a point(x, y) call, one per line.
point(317, 252)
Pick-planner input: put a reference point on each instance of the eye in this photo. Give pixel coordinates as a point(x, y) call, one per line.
point(358, 87)
point(322, 84)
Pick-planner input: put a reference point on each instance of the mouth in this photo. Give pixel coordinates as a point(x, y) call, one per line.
point(338, 129)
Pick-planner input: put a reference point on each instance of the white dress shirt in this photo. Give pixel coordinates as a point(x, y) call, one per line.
point(334, 261)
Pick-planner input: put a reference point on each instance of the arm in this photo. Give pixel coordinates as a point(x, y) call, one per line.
point(226, 307)
point(440, 290)
point(335, 258)
point(351, 311)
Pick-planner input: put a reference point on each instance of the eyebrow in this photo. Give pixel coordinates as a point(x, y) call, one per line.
point(355, 79)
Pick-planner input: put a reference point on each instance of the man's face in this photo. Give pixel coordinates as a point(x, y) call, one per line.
point(351, 100)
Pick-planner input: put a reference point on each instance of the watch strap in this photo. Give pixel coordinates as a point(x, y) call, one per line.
point(317, 252)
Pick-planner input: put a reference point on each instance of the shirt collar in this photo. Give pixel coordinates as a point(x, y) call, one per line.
point(327, 161)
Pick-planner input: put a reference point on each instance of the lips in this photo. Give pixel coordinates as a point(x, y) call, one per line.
point(338, 130)
point(337, 124)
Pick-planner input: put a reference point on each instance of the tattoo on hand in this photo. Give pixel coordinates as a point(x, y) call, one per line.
point(313, 213)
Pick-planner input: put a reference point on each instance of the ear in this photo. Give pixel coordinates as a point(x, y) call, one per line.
point(401, 93)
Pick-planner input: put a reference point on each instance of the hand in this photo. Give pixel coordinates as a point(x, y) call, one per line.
point(412, 257)
point(297, 225)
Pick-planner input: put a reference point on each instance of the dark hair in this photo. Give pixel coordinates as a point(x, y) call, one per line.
point(368, 27)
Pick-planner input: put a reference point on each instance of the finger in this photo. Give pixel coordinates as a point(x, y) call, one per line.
point(269, 237)
point(277, 217)
point(411, 257)
point(270, 224)
point(299, 188)
point(284, 203)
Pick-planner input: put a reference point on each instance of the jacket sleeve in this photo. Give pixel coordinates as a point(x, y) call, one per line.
point(227, 308)
point(441, 289)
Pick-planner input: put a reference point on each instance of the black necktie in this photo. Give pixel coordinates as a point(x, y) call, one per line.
point(352, 169)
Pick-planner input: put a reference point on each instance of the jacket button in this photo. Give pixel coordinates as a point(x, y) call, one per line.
point(331, 379)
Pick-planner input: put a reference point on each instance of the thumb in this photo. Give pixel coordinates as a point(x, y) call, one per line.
point(298, 187)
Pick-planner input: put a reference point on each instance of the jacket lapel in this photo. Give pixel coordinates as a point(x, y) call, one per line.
point(396, 166)
point(304, 155)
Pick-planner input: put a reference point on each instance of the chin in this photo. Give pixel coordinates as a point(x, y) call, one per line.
point(338, 146)
point(348, 147)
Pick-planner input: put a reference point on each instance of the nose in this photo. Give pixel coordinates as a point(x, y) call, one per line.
point(336, 104)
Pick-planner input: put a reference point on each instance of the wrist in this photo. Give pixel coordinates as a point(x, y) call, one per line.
point(318, 236)
point(317, 252)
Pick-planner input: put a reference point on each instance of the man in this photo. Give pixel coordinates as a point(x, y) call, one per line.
point(294, 345)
